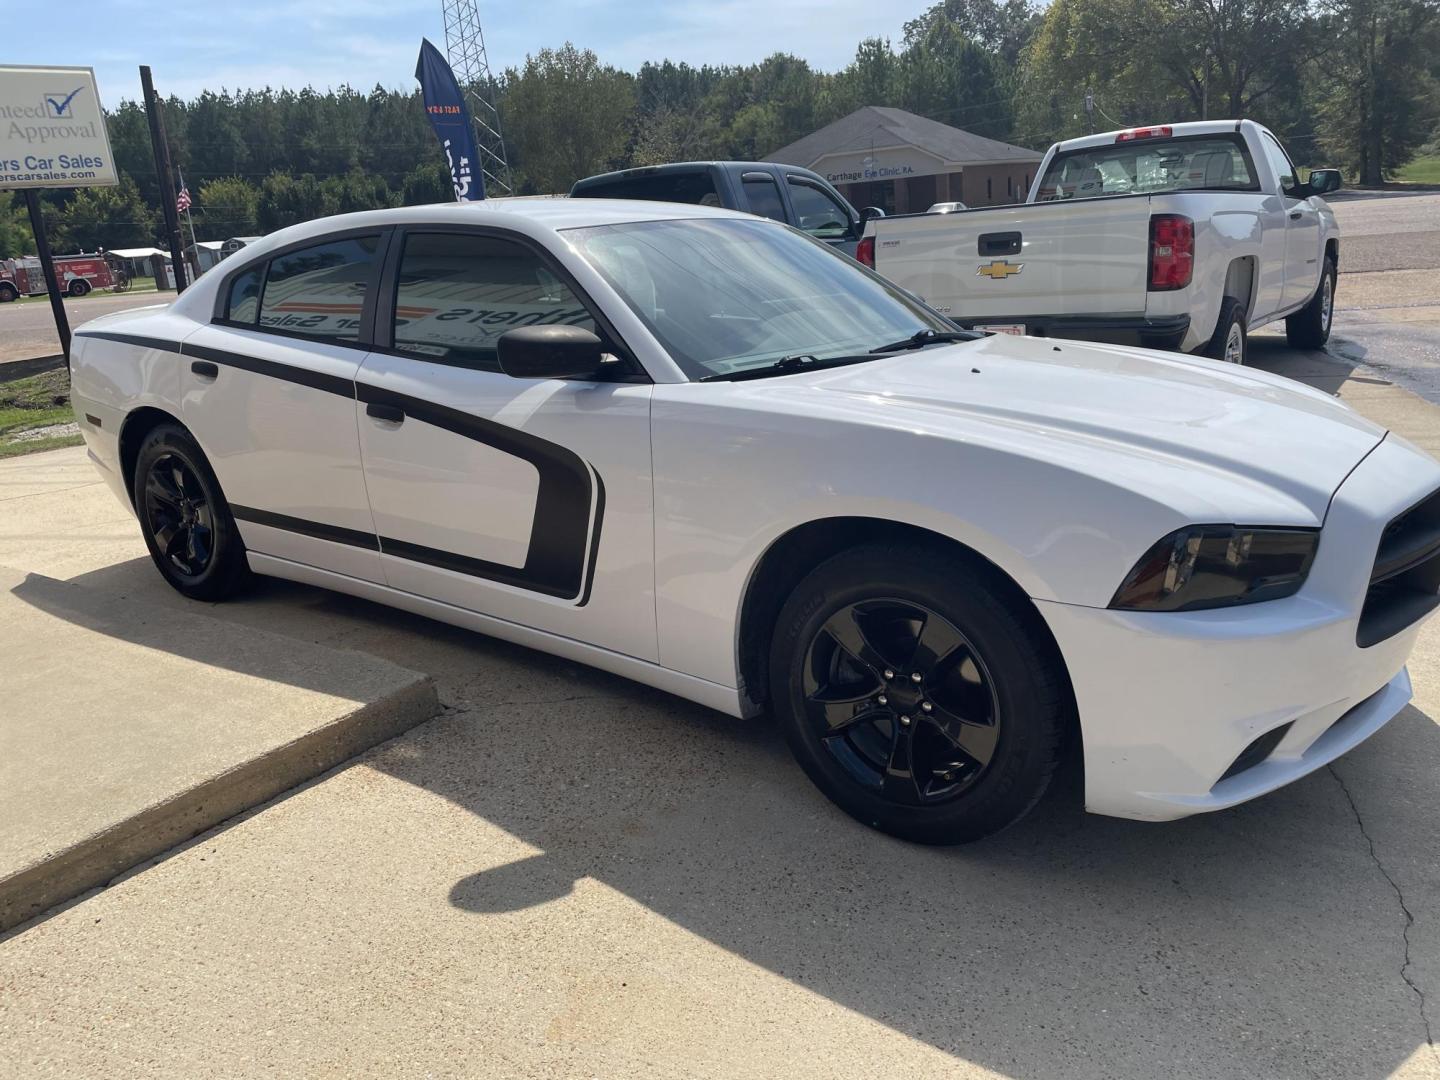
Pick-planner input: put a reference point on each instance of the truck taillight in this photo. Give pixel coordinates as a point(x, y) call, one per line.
point(1161, 132)
point(865, 251)
point(1172, 251)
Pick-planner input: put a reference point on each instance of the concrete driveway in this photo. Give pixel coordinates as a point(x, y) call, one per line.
point(567, 875)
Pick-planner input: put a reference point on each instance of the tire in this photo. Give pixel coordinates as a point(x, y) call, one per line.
point(1309, 328)
point(191, 533)
point(1002, 687)
point(7, 292)
point(79, 287)
point(1230, 341)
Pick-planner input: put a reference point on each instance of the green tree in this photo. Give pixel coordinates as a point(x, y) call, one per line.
point(107, 217)
point(228, 207)
point(15, 235)
point(567, 115)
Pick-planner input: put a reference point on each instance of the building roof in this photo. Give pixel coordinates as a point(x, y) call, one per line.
point(876, 127)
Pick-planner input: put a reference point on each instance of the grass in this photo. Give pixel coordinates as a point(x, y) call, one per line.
point(36, 402)
point(137, 285)
point(1423, 170)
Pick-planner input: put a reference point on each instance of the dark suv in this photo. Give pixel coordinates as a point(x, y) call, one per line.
point(786, 193)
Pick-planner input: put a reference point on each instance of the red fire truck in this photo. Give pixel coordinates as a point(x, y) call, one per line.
point(78, 274)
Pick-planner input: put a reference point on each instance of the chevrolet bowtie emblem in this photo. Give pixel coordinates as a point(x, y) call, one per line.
point(998, 269)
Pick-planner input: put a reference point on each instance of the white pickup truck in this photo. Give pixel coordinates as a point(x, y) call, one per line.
point(1183, 236)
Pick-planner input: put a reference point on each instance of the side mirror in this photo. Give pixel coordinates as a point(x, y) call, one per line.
point(1324, 181)
point(550, 352)
point(870, 213)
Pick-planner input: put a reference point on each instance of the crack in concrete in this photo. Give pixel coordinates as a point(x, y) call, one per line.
point(1404, 907)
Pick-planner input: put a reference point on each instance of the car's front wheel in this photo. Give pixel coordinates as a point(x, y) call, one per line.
point(915, 694)
point(185, 519)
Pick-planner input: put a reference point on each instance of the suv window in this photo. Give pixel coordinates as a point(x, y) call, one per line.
point(817, 212)
point(320, 291)
point(457, 294)
point(1279, 161)
point(762, 196)
point(1150, 166)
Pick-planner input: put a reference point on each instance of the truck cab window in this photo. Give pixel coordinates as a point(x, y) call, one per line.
point(762, 195)
point(817, 213)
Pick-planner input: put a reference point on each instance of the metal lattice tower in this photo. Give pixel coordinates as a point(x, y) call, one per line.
point(465, 49)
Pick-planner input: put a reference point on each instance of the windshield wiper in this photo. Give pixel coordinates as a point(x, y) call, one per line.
point(921, 338)
point(786, 365)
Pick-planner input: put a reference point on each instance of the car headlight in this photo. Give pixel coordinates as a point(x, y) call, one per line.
point(1210, 566)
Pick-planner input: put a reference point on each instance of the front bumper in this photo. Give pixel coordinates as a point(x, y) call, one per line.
point(1170, 701)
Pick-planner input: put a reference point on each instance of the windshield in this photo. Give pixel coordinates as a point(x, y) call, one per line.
point(1147, 167)
point(728, 294)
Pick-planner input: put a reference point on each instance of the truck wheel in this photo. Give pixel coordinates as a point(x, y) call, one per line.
point(79, 287)
point(7, 292)
point(1230, 342)
point(1309, 328)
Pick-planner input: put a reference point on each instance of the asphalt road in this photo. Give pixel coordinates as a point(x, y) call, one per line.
point(27, 328)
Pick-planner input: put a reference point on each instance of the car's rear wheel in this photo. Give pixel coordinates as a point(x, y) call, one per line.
point(185, 519)
point(915, 695)
point(1309, 328)
point(1230, 341)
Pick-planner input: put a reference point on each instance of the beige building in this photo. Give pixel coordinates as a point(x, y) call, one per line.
point(904, 163)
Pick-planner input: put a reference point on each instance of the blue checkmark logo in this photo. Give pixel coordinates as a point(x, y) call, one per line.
point(59, 105)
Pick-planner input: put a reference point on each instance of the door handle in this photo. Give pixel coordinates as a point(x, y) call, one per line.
point(204, 369)
point(1295, 215)
point(389, 413)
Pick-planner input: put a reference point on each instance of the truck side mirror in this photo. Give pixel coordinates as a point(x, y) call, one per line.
point(1324, 181)
point(870, 213)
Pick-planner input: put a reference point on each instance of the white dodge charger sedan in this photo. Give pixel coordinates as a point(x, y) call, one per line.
point(704, 451)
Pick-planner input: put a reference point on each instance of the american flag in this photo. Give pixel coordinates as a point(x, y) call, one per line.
point(182, 201)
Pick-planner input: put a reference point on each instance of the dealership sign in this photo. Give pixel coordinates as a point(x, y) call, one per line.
point(52, 129)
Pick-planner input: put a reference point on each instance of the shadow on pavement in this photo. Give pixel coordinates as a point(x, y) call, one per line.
point(1263, 941)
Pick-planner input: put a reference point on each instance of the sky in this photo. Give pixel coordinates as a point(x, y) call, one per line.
point(193, 45)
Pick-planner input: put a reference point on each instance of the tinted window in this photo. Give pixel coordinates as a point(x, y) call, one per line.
point(696, 187)
point(817, 213)
point(727, 294)
point(320, 291)
point(244, 301)
point(1148, 166)
point(1279, 161)
point(457, 294)
point(763, 197)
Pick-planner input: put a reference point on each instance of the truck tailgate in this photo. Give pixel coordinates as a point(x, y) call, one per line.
point(1087, 255)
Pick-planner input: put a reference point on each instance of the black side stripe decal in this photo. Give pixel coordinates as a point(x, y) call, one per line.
point(559, 536)
point(563, 545)
point(317, 529)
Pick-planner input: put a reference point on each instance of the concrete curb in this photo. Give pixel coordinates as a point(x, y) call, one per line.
point(100, 858)
point(162, 818)
point(10, 370)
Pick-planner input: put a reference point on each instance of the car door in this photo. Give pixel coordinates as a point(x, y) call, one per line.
point(524, 499)
point(269, 389)
point(1302, 227)
point(820, 214)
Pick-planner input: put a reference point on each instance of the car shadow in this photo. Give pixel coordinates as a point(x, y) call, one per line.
point(1261, 941)
point(1325, 369)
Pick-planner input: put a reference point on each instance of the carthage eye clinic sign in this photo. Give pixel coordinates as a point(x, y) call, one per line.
point(52, 129)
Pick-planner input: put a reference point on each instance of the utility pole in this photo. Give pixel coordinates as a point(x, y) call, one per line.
point(161, 149)
point(47, 265)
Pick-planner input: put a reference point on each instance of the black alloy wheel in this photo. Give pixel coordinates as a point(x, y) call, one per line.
point(902, 700)
point(920, 690)
point(179, 516)
point(184, 517)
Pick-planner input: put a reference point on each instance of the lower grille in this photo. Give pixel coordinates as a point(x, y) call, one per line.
point(1405, 583)
point(1256, 752)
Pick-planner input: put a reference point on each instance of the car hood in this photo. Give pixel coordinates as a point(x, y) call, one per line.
point(1260, 428)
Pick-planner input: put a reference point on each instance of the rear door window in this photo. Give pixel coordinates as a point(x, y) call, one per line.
point(456, 294)
point(320, 291)
point(762, 196)
point(1150, 167)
